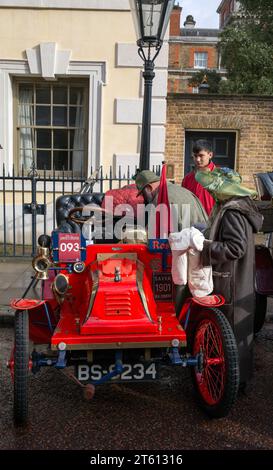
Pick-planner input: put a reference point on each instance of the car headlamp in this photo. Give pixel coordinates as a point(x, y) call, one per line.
point(61, 284)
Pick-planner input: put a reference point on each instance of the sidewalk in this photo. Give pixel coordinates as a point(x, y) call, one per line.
point(15, 276)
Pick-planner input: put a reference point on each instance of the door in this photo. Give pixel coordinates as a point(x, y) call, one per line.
point(223, 146)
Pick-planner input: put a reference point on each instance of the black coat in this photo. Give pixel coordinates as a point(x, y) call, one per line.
point(230, 251)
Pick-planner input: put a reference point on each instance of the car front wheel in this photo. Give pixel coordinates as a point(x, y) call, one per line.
point(21, 367)
point(217, 381)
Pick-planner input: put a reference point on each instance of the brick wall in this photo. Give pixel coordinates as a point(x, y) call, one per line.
point(250, 116)
point(175, 21)
point(174, 55)
point(181, 57)
point(178, 83)
point(226, 10)
point(211, 51)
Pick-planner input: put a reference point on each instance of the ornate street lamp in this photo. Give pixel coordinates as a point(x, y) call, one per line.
point(151, 18)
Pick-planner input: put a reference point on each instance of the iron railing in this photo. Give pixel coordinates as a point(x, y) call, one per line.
point(27, 202)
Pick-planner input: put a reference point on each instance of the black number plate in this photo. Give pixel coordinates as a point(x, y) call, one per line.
point(162, 286)
point(131, 372)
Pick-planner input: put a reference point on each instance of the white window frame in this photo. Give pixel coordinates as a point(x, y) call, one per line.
point(200, 62)
point(195, 90)
point(94, 71)
point(67, 82)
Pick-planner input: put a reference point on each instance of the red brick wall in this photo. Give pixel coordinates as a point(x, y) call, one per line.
point(182, 55)
point(174, 55)
point(250, 116)
point(226, 11)
point(212, 55)
point(175, 21)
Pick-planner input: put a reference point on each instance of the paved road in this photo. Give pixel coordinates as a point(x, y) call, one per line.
point(137, 416)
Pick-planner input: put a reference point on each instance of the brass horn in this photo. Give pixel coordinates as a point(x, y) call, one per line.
point(41, 263)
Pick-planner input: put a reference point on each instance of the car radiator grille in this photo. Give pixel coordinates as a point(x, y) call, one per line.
point(117, 304)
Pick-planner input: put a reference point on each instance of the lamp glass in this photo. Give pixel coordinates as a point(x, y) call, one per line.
point(151, 18)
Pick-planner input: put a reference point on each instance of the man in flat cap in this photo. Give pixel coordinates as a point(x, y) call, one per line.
point(184, 204)
point(185, 208)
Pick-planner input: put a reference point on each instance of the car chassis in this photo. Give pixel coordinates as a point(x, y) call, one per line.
point(108, 310)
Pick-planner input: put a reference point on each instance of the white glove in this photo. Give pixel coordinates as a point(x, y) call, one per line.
point(200, 280)
point(196, 239)
point(180, 241)
point(186, 239)
point(179, 268)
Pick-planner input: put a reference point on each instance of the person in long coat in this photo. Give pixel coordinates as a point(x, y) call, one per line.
point(229, 249)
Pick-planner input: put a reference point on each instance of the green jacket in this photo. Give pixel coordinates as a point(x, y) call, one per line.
point(187, 208)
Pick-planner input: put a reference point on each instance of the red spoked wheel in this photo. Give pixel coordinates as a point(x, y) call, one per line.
point(217, 381)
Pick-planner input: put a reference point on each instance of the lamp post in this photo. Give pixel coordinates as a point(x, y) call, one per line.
point(151, 18)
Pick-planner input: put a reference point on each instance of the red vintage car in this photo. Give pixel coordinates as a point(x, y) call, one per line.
point(108, 310)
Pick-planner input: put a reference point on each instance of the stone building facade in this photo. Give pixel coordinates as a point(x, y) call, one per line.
point(240, 124)
point(53, 49)
point(71, 99)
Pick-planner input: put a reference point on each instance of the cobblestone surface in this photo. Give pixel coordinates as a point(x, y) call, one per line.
point(137, 416)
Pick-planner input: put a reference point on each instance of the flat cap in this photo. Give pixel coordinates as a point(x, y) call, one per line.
point(145, 177)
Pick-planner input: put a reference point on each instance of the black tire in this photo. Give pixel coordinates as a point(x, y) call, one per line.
point(260, 312)
point(21, 367)
point(217, 385)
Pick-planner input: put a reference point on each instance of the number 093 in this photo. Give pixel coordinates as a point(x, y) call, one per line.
point(69, 247)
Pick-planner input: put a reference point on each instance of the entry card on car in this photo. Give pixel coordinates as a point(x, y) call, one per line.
point(69, 247)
